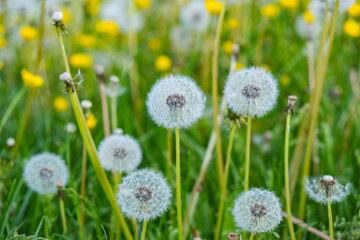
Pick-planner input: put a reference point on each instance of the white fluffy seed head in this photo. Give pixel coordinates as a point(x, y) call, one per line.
point(344, 5)
point(195, 16)
point(326, 188)
point(120, 153)
point(144, 195)
point(86, 104)
point(251, 91)
point(175, 101)
point(114, 79)
point(70, 128)
point(44, 171)
point(257, 210)
point(10, 142)
point(57, 16)
point(65, 77)
point(307, 30)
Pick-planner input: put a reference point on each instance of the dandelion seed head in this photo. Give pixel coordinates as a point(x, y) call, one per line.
point(65, 77)
point(10, 142)
point(307, 30)
point(175, 101)
point(181, 39)
point(326, 188)
point(257, 210)
point(251, 91)
point(57, 16)
point(144, 195)
point(70, 127)
point(44, 171)
point(114, 79)
point(99, 69)
point(120, 153)
point(195, 16)
point(86, 104)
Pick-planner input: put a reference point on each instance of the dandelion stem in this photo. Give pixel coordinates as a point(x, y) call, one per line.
point(178, 186)
point(247, 153)
point(105, 109)
point(252, 236)
point(82, 188)
point(113, 113)
point(215, 64)
point(287, 185)
point(91, 148)
point(169, 155)
point(143, 231)
point(62, 213)
point(226, 176)
point(331, 230)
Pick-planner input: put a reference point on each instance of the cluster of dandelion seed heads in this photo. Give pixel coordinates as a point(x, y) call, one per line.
point(175, 102)
point(324, 189)
point(257, 211)
point(44, 171)
point(252, 91)
point(120, 153)
point(344, 5)
point(144, 195)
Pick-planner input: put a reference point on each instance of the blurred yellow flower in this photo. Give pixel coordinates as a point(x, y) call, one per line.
point(352, 28)
point(1, 64)
point(239, 65)
point(31, 80)
point(308, 17)
point(66, 15)
point(60, 104)
point(227, 46)
point(91, 121)
point(92, 6)
point(232, 23)
point(289, 4)
point(270, 10)
point(28, 33)
point(354, 10)
point(85, 40)
point(267, 67)
point(107, 27)
point(213, 6)
point(142, 3)
point(80, 60)
point(2, 28)
point(285, 79)
point(2, 42)
point(154, 44)
point(163, 63)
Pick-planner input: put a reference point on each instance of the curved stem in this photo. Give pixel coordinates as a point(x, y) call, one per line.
point(143, 231)
point(247, 154)
point(226, 176)
point(331, 230)
point(287, 185)
point(178, 184)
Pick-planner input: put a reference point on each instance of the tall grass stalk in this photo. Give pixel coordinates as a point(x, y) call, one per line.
point(178, 184)
point(62, 211)
point(90, 146)
point(247, 153)
point(226, 176)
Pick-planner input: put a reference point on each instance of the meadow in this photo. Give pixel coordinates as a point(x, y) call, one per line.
point(170, 119)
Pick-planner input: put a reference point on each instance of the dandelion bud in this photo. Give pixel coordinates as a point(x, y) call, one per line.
point(70, 128)
point(57, 16)
point(99, 70)
point(118, 131)
point(10, 142)
point(291, 100)
point(235, 51)
point(233, 236)
point(65, 77)
point(114, 79)
point(86, 104)
point(328, 178)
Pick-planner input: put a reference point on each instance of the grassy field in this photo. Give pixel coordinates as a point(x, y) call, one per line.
point(312, 56)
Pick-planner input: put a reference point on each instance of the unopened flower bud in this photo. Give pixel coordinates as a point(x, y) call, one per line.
point(292, 100)
point(57, 16)
point(232, 236)
point(86, 104)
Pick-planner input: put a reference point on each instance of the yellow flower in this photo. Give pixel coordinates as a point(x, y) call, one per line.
point(80, 60)
point(2, 42)
point(1, 64)
point(285, 79)
point(232, 23)
point(60, 104)
point(154, 44)
point(31, 80)
point(267, 67)
point(142, 3)
point(92, 6)
point(107, 27)
point(91, 121)
point(85, 40)
point(289, 4)
point(270, 10)
point(28, 33)
point(66, 15)
point(214, 7)
point(352, 28)
point(239, 65)
point(2, 29)
point(228, 47)
point(163, 63)
point(308, 17)
point(354, 10)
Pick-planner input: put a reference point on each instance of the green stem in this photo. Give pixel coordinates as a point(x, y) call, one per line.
point(91, 148)
point(287, 185)
point(331, 230)
point(41, 36)
point(247, 154)
point(178, 185)
point(226, 176)
point(215, 64)
point(113, 113)
point(105, 110)
point(169, 155)
point(143, 231)
point(252, 236)
point(82, 188)
point(63, 216)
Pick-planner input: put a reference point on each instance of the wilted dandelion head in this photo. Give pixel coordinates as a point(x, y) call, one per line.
point(57, 16)
point(251, 91)
point(195, 16)
point(175, 101)
point(120, 153)
point(326, 188)
point(44, 171)
point(65, 77)
point(144, 195)
point(257, 211)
